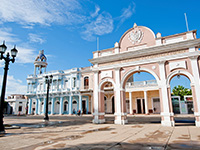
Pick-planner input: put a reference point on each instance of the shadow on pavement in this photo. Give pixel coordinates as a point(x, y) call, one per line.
point(129, 146)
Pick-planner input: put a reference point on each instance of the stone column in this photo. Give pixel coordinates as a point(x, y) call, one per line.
point(120, 100)
point(101, 107)
point(130, 102)
point(39, 106)
point(167, 116)
point(36, 107)
point(96, 98)
point(170, 99)
point(196, 89)
point(146, 102)
point(52, 105)
point(70, 104)
point(61, 105)
point(30, 106)
point(80, 103)
point(91, 99)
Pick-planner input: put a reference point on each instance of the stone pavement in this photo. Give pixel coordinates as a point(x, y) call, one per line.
point(78, 133)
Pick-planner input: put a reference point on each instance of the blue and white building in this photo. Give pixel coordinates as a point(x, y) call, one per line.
point(64, 94)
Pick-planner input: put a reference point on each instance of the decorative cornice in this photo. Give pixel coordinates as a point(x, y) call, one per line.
point(147, 51)
point(159, 60)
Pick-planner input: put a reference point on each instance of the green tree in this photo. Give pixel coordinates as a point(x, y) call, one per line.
point(181, 91)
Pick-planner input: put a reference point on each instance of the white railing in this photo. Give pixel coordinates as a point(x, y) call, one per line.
point(141, 84)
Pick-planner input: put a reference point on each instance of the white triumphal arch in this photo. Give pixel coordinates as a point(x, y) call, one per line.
point(139, 50)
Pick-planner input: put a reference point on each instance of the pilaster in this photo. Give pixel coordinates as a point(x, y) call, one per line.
point(196, 89)
point(30, 106)
point(97, 117)
point(52, 105)
point(146, 103)
point(61, 106)
point(130, 102)
point(36, 107)
point(80, 103)
point(167, 116)
point(70, 104)
point(39, 106)
point(120, 114)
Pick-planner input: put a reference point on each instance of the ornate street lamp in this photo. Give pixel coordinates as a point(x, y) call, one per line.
point(7, 59)
point(48, 80)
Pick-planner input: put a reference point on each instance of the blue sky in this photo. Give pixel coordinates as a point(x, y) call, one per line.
point(67, 29)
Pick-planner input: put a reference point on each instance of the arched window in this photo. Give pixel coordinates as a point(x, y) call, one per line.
point(66, 106)
point(74, 106)
point(86, 83)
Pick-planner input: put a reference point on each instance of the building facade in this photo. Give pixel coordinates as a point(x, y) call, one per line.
point(16, 104)
point(108, 85)
point(64, 97)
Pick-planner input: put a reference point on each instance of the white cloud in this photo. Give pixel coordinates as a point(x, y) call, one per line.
point(5, 34)
point(97, 9)
point(25, 55)
point(71, 13)
point(40, 11)
point(103, 24)
point(14, 86)
point(126, 13)
point(36, 38)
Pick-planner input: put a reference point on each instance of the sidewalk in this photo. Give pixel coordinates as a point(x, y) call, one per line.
point(73, 132)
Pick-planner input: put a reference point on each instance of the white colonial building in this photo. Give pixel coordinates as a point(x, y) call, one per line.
point(64, 97)
point(109, 87)
point(16, 104)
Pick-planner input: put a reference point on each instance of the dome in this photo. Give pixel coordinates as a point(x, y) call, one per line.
point(41, 56)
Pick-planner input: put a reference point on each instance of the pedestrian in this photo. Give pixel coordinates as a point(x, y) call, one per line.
point(79, 112)
point(73, 111)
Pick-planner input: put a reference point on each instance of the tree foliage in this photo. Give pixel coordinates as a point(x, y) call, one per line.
point(181, 91)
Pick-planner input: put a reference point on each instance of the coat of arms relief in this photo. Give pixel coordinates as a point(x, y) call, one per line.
point(136, 36)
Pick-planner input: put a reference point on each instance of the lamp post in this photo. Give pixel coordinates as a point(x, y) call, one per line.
point(7, 59)
point(48, 80)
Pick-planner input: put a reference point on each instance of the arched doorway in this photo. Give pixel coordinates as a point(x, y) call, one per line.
point(113, 105)
point(74, 106)
point(106, 90)
point(57, 107)
point(66, 107)
point(105, 104)
point(49, 108)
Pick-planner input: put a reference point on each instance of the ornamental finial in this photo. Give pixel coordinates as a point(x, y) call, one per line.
point(135, 25)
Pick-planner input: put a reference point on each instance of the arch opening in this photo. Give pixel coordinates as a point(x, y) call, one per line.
point(57, 107)
point(65, 107)
point(141, 92)
point(182, 100)
point(106, 93)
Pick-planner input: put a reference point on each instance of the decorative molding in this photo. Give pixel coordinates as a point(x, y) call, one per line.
point(177, 64)
point(160, 60)
point(148, 51)
point(181, 72)
point(105, 74)
point(153, 67)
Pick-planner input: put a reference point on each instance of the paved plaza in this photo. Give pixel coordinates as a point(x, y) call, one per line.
point(78, 133)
